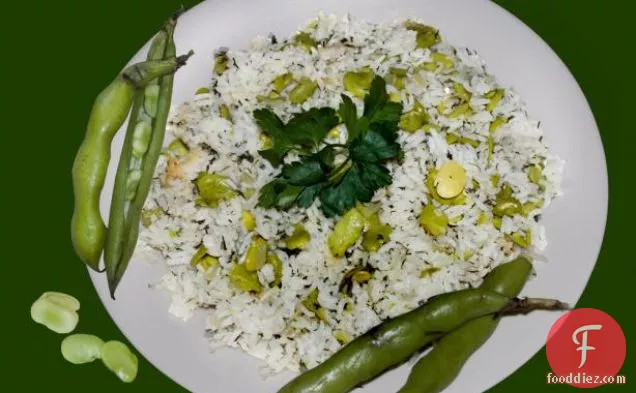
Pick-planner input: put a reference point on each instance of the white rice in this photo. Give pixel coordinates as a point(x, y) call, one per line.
point(275, 326)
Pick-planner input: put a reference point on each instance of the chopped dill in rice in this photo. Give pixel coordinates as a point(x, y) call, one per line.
point(410, 268)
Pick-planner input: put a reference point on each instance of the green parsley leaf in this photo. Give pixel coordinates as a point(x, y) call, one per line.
point(374, 176)
point(377, 97)
point(273, 156)
point(374, 146)
point(309, 194)
point(269, 192)
point(358, 185)
point(366, 174)
point(287, 197)
point(378, 110)
point(299, 182)
point(279, 194)
point(349, 114)
point(273, 126)
point(372, 140)
point(270, 123)
point(338, 198)
point(311, 127)
point(305, 129)
point(388, 116)
point(304, 173)
point(326, 157)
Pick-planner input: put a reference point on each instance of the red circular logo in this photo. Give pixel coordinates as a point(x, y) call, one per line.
point(585, 348)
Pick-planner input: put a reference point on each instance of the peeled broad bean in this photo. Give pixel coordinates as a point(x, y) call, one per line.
point(178, 147)
point(495, 97)
point(414, 119)
point(82, 348)
point(225, 113)
point(346, 232)
point(426, 36)
point(62, 299)
point(256, 254)
point(433, 222)
point(377, 233)
point(299, 238)
point(305, 40)
point(358, 82)
point(120, 360)
point(248, 220)
point(212, 189)
point(282, 81)
point(277, 264)
point(304, 89)
point(58, 318)
point(451, 180)
point(244, 279)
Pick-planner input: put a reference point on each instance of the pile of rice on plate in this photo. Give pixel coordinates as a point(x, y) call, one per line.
point(275, 325)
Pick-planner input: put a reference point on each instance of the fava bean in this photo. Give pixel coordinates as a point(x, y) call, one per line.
point(358, 82)
point(451, 180)
point(426, 36)
point(282, 81)
point(495, 97)
point(298, 239)
point(82, 348)
point(346, 232)
point(118, 358)
point(178, 147)
point(414, 119)
point(59, 314)
point(213, 189)
point(244, 279)
point(62, 299)
point(304, 89)
point(433, 222)
point(256, 254)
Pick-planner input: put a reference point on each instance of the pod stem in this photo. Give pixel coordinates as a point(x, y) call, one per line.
point(526, 305)
point(175, 16)
point(183, 59)
point(170, 25)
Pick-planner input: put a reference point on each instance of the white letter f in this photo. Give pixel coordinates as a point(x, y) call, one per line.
point(584, 347)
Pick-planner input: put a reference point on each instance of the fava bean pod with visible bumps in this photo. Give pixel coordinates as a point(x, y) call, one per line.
point(88, 231)
point(439, 367)
point(140, 153)
point(396, 340)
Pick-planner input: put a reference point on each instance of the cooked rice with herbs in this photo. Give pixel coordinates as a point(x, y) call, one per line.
point(466, 190)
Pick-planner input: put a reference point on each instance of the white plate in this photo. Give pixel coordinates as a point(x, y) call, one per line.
point(575, 223)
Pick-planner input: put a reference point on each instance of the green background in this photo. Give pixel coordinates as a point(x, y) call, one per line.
point(64, 52)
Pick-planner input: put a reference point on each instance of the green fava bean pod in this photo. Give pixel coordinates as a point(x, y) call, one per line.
point(441, 365)
point(88, 231)
point(395, 341)
point(135, 146)
point(138, 160)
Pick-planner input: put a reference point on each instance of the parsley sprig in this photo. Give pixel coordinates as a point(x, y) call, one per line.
point(338, 184)
point(303, 132)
